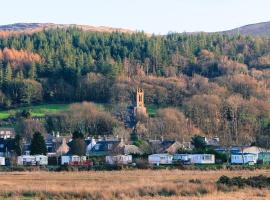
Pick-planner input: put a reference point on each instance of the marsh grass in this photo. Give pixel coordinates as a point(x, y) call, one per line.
point(126, 184)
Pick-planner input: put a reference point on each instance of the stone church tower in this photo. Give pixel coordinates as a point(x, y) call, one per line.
point(140, 108)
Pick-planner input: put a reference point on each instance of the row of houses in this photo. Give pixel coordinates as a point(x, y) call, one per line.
point(117, 151)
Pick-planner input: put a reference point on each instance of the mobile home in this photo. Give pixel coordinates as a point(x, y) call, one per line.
point(202, 158)
point(196, 158)
point(41, 160)
point(185, 158)
point(119, 159)
point(2, 161)
point(32, 160)
point(75, 160)
point(244, 158)
point(158, 159)
point(26, 160)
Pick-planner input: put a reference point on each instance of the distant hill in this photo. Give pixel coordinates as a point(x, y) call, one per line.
point(34, 27)
point(258, 29)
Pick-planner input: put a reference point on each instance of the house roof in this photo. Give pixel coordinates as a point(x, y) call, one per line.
point(104, 147)
point(165, 146)
point(239, 154)
point(160, 154)
point(132, 149)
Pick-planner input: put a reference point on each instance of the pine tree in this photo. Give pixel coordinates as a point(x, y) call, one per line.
point(18, 145)
point(78, 145)
point(20, 75)
point(38, 146)
point(1, 73)
point(32, 71)
point(8, 73)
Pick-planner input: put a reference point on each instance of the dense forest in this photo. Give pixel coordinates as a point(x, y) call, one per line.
point(220, 84)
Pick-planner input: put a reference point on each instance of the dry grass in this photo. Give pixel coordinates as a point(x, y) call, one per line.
point(137, 184)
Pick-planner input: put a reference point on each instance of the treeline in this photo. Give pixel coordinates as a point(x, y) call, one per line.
point(220, 83)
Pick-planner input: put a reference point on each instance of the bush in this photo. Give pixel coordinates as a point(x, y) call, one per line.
point(195, 181)
point(141, 164)
point(224, 180)
point(255, 181)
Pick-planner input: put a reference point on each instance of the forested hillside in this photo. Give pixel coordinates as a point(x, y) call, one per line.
point(220, 83)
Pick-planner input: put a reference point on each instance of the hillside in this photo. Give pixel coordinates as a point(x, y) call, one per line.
point(35, 27)
point(258, 29)
point(217, 84)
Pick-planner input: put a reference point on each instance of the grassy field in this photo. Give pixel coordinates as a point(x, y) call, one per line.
point(42, 110)
point(134, 184)
point(36, 111)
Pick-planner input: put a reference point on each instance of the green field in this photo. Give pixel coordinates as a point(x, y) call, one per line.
point(42, 110)
point(36, 111)
point(152, 110)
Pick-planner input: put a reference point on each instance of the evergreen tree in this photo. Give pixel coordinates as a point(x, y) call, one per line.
point(8, 73)
point(38, 145)
point(78, 146)
point(198, 142)
point(32, 71)
point(77, 135)
point(1, 73)
point(18, 145)
point(20, 75)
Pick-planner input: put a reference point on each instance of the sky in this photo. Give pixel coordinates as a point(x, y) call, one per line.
point(152, 16)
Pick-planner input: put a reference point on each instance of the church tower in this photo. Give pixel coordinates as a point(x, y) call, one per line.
point(140, 108)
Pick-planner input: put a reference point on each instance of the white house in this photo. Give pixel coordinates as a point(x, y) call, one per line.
point(244, 158)
point(160, 159)
point(119, 159)
point(2, 161)
point(90, 145)
point(6, 133)
point(253, 150)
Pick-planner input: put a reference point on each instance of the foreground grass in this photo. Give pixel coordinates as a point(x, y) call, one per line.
point(133, 184)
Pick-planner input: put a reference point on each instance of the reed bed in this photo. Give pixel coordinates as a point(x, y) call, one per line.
point(125, 184)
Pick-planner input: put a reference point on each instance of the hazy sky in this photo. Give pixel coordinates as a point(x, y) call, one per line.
point(159, 16)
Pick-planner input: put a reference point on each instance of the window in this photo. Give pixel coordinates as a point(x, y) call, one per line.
point(207, 157)
point(109, 146)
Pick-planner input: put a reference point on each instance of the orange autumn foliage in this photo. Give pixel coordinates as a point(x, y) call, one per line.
point(19, 58)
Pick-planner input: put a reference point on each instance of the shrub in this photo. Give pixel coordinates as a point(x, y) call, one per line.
point(196, 181)
point(224, 180)
point(141, 164)
point(255, 181)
